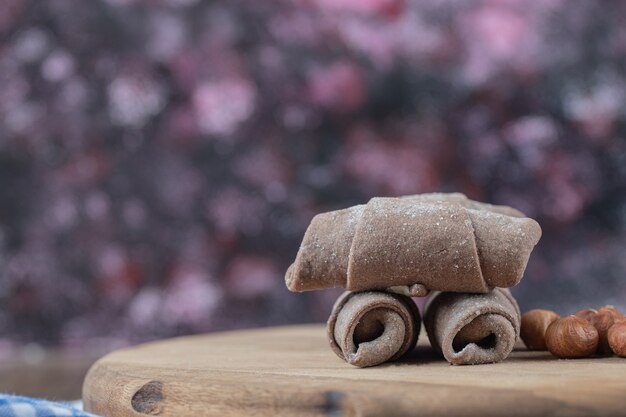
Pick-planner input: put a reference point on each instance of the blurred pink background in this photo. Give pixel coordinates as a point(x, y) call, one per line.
point(160, 160)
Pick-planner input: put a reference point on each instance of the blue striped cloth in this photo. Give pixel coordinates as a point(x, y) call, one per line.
point(14, 406)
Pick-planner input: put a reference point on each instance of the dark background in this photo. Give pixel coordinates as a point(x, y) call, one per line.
point(160, 160)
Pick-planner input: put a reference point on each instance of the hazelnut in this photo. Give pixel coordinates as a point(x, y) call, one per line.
point(602, 321)
point(572, 337)
point(534, 325)
point(586, 314)
point(617, 338)
point(609, 309)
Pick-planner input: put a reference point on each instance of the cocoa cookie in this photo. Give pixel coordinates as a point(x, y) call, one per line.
point(441, 242)
point(369, 328)
point(473, 328)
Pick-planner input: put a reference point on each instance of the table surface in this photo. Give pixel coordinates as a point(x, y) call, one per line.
point(51, 374)
point(292, 371)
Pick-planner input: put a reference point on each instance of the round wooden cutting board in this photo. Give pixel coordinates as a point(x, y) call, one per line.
point(291, 371)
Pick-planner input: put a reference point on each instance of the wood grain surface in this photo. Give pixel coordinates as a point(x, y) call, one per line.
point(291, 371)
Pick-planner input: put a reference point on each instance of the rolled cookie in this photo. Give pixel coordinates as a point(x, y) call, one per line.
point(369, 328)
point(472, 329)
point(441, 242)
point(461, 199)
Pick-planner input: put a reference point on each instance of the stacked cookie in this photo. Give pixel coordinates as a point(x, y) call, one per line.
point(462, 253)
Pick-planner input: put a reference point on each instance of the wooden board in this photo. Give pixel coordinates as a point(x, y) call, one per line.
point(291, 371)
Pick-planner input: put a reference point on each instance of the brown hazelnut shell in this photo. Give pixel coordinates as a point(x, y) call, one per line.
point(616, 337)
point(534, 326)
point(613, 311)
point(587, 314)
point(572, 337)
point(602, 321)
